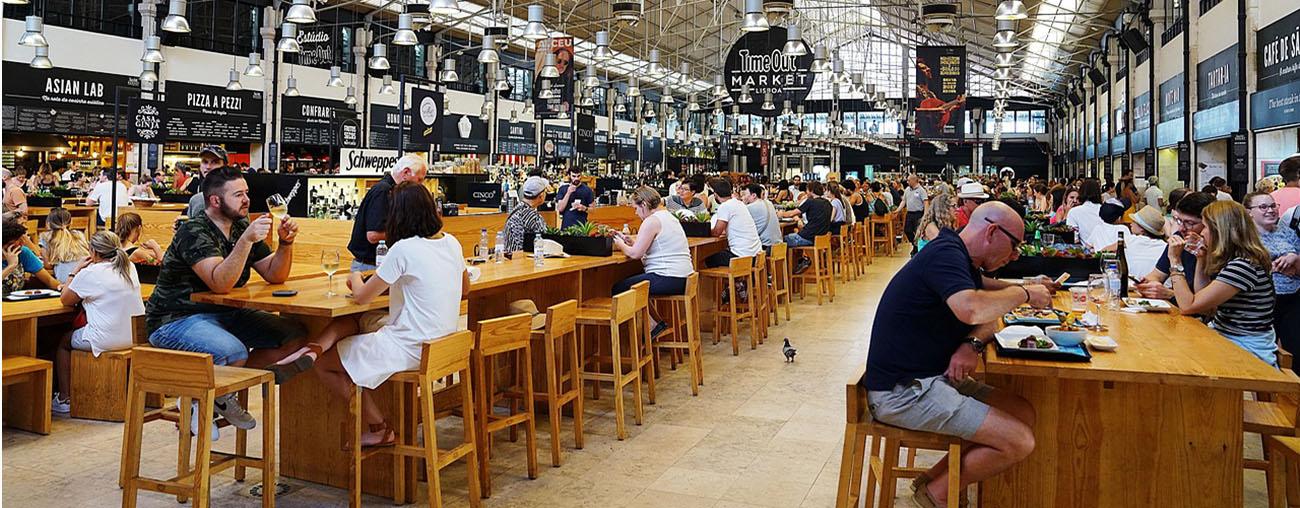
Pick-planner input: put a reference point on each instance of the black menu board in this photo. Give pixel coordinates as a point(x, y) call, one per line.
point(464, 134)
point(557, 141)
point(517, 138)
point(315, 121)
point(626, 147)
point(602, 144)
point(62, 101)
point(210, 113)
point(384, 126)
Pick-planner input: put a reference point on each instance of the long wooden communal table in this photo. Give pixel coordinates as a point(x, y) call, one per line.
point(311, 419)
point(1157, 422)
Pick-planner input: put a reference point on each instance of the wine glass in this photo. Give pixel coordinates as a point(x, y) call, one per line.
point(329, 262)
point(1097, 290)
point(278, 207)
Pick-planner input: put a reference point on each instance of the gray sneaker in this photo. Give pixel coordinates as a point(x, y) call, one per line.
point(228, 407)
point(194, 420)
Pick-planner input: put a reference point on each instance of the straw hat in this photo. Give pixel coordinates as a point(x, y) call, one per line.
point(1150, 219)
point(530, 308)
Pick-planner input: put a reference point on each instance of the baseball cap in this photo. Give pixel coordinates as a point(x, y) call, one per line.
point(533, 186)
point(219, 152)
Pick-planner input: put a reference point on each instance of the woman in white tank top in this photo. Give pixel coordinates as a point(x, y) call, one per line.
point(661, 246)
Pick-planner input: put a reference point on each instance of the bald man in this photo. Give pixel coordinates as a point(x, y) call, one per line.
point(372, 214)
point(931, 326)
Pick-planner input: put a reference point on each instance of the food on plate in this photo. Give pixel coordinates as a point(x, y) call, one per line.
point(1035, 342)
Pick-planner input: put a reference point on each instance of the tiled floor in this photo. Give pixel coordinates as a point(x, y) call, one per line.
point(762, 432)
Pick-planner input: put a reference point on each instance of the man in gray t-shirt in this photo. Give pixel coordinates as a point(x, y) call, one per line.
point(914, 199)
point(210, 157)
point(764, 214)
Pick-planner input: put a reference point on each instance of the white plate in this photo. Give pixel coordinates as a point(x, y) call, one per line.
point(1009, 337)
point(1148, 304)
point(1101, 342)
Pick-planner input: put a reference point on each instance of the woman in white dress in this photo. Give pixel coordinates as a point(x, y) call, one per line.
point(426, 272)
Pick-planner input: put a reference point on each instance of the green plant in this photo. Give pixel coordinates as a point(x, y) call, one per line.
point(43, 193)
point(585, 229)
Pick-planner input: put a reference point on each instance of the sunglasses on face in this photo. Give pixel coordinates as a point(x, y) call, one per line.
point(1015, 242)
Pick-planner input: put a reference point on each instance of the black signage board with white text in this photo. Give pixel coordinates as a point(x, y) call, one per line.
point(213, 114)
point(755, 59)
point(316, 121)
point(146, 121)
point(62, 101)
point(557, 141)
point(464, 134)
point(516, 138)
point(1171, 98)
point(484, 195)
point(426, 126)
point(1217, 79)
point(1142, 112)
point(1277, 53)
point(384, 123)
point(586, 139)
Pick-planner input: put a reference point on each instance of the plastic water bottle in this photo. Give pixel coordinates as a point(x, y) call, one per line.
point(381, 252)
point(482, 250)
point(626, 230)
point(499, 252)
point(539, 253)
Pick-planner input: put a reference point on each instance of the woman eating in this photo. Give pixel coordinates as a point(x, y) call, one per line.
point(1232, 280)
point(128, 228)
point(661, 246)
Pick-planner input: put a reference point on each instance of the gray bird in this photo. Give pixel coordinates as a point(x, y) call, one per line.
point(788, 350)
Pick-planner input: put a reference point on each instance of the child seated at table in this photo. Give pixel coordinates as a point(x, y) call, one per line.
point(427, 272)
point(20, 261)
point(62, 247)
point(108, 290)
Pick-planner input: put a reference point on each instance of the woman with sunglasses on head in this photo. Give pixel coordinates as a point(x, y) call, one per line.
point(1232, 280)
point(1283, 244)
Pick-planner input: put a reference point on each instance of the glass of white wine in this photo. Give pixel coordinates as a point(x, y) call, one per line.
point(329, 262)
point(278, 207)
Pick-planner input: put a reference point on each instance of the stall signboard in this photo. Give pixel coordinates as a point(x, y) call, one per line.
point(484, 195)
point(557, 141)
point(385, 123)
point(1169, 133)
point(1217, 79)
point(318, 43)
point(1141, 140)
point(1142, 112)
point(561, 87)
point(1277, 53)
point(1171, 98)
point(625, 147)
point(62, 101)
point(464, 134)
point(601, 141)
point(213, 114)
point(146, 121)
point(1239, 157)
point(316, 121)
point(756, 60)
point(585, 141)
point(652, 149)
point(426, 128)
point(516, 138)
point(1184, 161)
point(1275, 107)
point(940, 92)
point(1216, 122)
point(366, 161)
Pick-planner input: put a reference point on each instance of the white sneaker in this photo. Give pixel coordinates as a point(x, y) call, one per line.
point(194, 420)
point(228, 407)
point(59, 406)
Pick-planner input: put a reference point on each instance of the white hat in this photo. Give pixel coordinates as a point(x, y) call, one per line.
point(963, 181)
point(972, 190)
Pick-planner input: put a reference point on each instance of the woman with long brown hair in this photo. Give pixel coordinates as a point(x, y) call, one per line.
point(1232, 279)
point(128, 228)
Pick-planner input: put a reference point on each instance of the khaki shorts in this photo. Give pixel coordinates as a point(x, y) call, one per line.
point(933, 404)
point(371, 321)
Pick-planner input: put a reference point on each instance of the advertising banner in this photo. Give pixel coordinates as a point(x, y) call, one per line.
point(384, 125)
point(366, 161)
point(146, 121)
point(1275, 107)
point(464, 134)
point(1171, 98)
point(940, 92)
point(560, 87)
point(756, 59)
point(1142, 112)
point(1217, 79)
point(211, 113)
point(1277, 52)
point(586, 139)
point(426, 128)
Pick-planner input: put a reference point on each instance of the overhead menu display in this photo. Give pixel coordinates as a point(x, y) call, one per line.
point(62, 101)
point(210, 113)
point(557, 141)
point(516, 138)
point(464, 134)
point(315, 121)
point(384, 124)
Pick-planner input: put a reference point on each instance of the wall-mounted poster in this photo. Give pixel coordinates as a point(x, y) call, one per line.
point(561, 88)
point(940, 92)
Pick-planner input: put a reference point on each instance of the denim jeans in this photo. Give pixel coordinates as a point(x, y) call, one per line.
point(794, 240)
point(227, 336)
point(358, 266)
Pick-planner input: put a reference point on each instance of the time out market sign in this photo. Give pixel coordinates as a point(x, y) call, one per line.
point(756, 60)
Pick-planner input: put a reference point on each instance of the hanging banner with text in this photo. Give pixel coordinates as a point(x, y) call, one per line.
point(557, 142)
point(586, 139)
point(60, 100)
point(213, 114)
point(756, 59)
point(426, 128)
point(146, 121)
point(561, 88)
point(464, 134)
point(384, 124)
point(940, 92)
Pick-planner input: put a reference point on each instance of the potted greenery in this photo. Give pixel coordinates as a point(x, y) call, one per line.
point(175, 196)
point(696, 225)
point(45, 198)
point(584, 239)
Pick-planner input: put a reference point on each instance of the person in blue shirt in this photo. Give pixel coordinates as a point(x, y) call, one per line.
point(20, 263)
point(574, 199)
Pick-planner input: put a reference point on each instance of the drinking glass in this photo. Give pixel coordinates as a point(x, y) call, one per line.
point(329, 262)
point(1049, 238)
point(1097, 290)
point(278, 207)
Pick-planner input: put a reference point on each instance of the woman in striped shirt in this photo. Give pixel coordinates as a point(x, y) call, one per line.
point(1233, 279)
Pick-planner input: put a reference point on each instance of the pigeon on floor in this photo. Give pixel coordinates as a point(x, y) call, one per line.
point(788, 350)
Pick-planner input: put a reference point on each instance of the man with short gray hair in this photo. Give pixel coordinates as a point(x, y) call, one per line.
point(372, 215)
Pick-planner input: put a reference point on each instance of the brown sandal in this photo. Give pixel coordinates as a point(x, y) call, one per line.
point(285, 372)
point(390, 437)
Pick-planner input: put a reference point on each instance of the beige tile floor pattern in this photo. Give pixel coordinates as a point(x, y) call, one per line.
point(762, 433)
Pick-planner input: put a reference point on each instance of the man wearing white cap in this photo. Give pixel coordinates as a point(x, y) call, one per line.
point(524, 221)
point(969, 197)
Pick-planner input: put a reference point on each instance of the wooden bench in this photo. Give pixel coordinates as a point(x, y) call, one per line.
point(38, 377)
point(99, 385)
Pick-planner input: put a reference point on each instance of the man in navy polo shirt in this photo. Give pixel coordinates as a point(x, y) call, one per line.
point(931, 326)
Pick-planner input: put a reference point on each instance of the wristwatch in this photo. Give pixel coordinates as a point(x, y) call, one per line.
point(976, 344)
point(1177, 269)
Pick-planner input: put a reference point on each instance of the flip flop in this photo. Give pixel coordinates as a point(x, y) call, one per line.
point(303, 363)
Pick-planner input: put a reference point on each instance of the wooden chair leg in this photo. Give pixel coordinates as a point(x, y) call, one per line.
point(472, 435)
point(1276, 480)
point(637, 398)
point(575, 377)
point(354, 447)
point(553, 412)
point(850, 467)
point(130, 468)
point(954, 475)
point(431, 471)
point(530, 429)
point(185, 440)
point(888, 480)
point(876, 447)
point(241, 439)
point(620, 420)
point(270, 468)
point(203, 457)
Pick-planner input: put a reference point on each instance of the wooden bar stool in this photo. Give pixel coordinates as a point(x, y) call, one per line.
point(624, 370)
point(882, 233)
point(885, 469)
point(820, 271)
point(841, 254)
point(498, 337)
point(762, 301)
point(558, 343)
point(683, 334)
point(740, 269)
point(862, 241)
point(193, 377)
point(439, 358)
point(646, 360)
point(99, 384)
point(1283, 469)
point(37, 394)
point(779, 266)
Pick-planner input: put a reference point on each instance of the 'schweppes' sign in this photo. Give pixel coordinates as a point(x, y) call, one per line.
point(562, 87)
point(940, 92)
point(1171, 98)
point(426, 126)
point(756, 60)
point(315, 121)
point(146, 121)
point(586, 139)
point(366, 161)
point(211, 113)
point(60, 100)
point(464, 134)
point(518, 138)
point(1277, 55)
point(1217, 79)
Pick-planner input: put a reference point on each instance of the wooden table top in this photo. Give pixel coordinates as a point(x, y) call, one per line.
point(49, 306)
point(1163, 348)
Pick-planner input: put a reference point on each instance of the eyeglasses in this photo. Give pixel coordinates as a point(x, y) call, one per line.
point(1188, 223)
point(1270, 206)
point(1015, 242)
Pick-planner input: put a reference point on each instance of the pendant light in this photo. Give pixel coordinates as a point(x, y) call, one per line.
point(666, 98)
point(291, 88)
point(379, 56)
point(563, 114)
point(838, 75)
point(684, 73)
point(545, 91)
point(785, 110)
point(719, 89)
point(485, 113)
point(336, 77)
point(419, 11)
point(1002, 74)
point(602, 47)
point(1005, 41)
point(656, 71)
point(794, 45)
point(620, 108)
point(1011, 10)
point(405, 35)
point(448, 74)
point(514, 116)
point(821, 60)
point(488, 54)
point(649, 112)
point(591, 80)
point(859, 78)
point(535, 30)
point(351, 98)
point(755, 20)
point(301, 12)
point(254, 67)
point(444, 7)
point(745, 97)
point(41, 60)
point(549, 69)
point(632, 89)
point(288, 38)
point(15, 2)
point(502, 80)
point(528, 108)
point(691, 105)
point(587, 101)
point(152, 50)
point(148, 75)
point(234, 84)
point(767, 102)
point(387, 87)
point(175, 21)
point(34, 35)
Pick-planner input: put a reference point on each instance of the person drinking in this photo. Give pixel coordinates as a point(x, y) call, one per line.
point(1283, 244)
